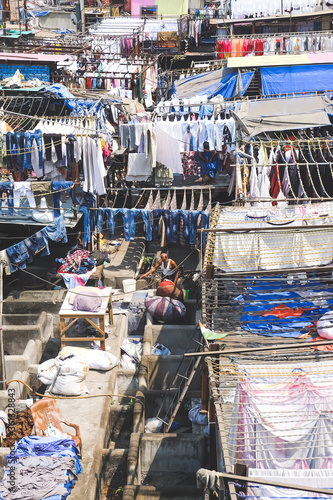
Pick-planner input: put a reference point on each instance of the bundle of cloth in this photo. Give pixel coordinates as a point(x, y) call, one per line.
point(167, 288)
point(42, 467)
point(79, 265)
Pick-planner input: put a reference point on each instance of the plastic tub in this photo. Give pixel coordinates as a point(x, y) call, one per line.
point(129, 285)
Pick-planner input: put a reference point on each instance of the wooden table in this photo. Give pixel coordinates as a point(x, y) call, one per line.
point(66, 312)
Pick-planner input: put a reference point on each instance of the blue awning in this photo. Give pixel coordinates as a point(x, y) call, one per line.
point(296, 79)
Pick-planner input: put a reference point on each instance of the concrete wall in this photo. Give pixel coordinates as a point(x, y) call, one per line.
point(161, 493)
point(178, 339)
point(196, 4)
point(172, 452)
point(24, 339)
point(36, 302)
point(137, 4)
point(172, 7)
point(162, 371)
point(58, 20)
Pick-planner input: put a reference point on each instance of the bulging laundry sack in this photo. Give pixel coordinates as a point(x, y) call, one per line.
point(153, 425)
point(71, 374)
point(325, 325)
point(47, 371)
point(97, 360)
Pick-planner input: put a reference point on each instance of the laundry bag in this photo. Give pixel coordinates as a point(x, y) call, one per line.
point(167, 289)
point(165, 309)
point(70, 377)
point(325, 325)
point(97, 360)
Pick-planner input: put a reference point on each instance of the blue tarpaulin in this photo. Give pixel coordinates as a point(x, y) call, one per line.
point(221, 82)
point(296, 79)
point(38, 13)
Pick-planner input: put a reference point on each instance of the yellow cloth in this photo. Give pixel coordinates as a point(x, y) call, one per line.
point(175, 7)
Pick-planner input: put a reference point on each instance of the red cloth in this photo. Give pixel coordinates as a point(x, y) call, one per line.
point(275, 183)
point(219, 49)
point(321, 347)
point(259, 47)
point(283, 311)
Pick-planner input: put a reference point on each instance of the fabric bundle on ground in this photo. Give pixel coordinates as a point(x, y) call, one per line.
point(77, 267)
point(21, 425)
point(43, 467)
point(165, 309)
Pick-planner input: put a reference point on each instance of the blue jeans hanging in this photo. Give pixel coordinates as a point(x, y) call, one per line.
point(57, 187)
point(15, 148)
point(194, 214)
point(7, 187)
point(134, 216)
point(185, 215)
point(56, 232)
point(29, 137)
point(175, 215)
point(205, 224)
point(156, 220)
point(17, 256)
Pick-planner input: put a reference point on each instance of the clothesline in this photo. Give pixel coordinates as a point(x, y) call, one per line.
point(280, 35)
point(53, 122)
point(17, 256)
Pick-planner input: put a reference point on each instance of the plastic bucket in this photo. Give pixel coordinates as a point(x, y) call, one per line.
point(129, 285)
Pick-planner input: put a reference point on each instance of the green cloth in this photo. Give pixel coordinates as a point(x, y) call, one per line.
point(209, 335)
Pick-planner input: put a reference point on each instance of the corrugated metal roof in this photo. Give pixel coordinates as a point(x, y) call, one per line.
point(22, 57)
point(271, 18)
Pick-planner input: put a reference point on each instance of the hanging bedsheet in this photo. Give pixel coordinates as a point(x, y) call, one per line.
point(282, 416)
point(274, 250)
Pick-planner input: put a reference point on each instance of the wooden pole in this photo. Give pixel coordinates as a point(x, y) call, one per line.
point(246, 350)
point(3, 3)
point(267, 481)
point(2, 351)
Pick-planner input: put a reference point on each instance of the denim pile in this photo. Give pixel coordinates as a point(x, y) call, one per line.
point(41, 467)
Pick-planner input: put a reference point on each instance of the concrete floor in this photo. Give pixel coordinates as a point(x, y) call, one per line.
point(94, 416)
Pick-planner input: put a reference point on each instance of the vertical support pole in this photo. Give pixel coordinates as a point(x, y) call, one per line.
point(25, 15)
point(83, 19)
point(2, 351)
point(4, 13)
point(19, 14)
point(204, 389)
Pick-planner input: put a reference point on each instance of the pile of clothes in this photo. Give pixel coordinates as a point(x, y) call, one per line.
point(77, 261)
point(41, 467)
point(79, 265)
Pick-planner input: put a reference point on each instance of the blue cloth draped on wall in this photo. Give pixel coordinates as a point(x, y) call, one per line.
point(292, 79)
